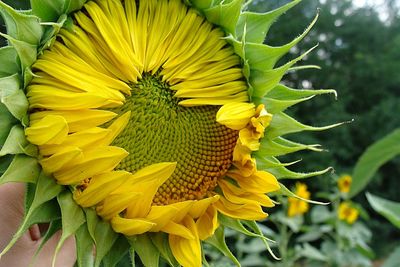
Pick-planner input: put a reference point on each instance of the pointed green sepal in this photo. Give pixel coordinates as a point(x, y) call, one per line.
point(9, 61)
point(281, 172)
point(238, 226)
point(22, 169)
point(27, 52)
point(117, 252)
point(101, 233)
point(225, 14)
point(257, 25)
point(16, 143)
point(282, 92)
point(254, 226)
point(51, 10)
point(264, 57)
point(286, 192)
point(21, 26)
point(7, 120)
point(12, 97)
point(201, 4)
point(145, 249)
point(218, 241)
point(72, 218)
point(265, 81)
point(160, 240)
point(283, 124)
point(84, 247)
point(280, 146)
point(47, 10)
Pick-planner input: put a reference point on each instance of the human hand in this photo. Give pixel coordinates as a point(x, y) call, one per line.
point(21, 254)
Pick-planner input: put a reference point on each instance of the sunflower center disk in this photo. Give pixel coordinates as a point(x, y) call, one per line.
point(160, 130)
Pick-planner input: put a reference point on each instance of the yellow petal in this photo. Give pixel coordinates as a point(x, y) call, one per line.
point(83, 140)
point(186, 251)
point(237, 195)
point(259, 182)
point(235, 115)
point(207, 223)
point(96, 161)
point(130, 227)
point(200, 206)
point(117, 127)
point(100, 187)
point(178, 229)
point(114, 204)
point(60, 159)
point(161, 216)
point(147, 181)
point(51, 129)
point(78, 120)
point(248, 211)
point(247, 139)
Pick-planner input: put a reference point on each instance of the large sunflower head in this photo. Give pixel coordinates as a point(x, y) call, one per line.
point(151, 116)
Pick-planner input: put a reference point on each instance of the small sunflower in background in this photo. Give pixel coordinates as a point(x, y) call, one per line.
point(147, 126)
point(347, 212)
point(299, 205)
point(344, 183)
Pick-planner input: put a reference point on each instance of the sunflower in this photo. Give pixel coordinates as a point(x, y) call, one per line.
point(146, 119)
point(344, 183)
point(298, 205)
point(347, 212)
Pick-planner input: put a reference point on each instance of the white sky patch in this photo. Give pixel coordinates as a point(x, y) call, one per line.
point(379, 5)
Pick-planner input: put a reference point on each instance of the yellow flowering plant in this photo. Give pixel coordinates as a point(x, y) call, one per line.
point(146, 126)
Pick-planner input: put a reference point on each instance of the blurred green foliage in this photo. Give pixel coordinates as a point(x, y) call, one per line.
point(359, 56)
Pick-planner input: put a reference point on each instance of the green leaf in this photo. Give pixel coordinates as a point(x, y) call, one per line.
point(311, 252)
point(389, 209)
point(394, 259)
point(16, 143)
point(374, 157)
point(102, 234)
point(218, 241)
point(22, 169)
point(5, 163)
point(146, 250)
point(72, 218)
point(84, 247)
point(117, 252)
point(9, 61)
point(257, 25)
point(21, 26)
point(236, 225)
point(321, 214)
